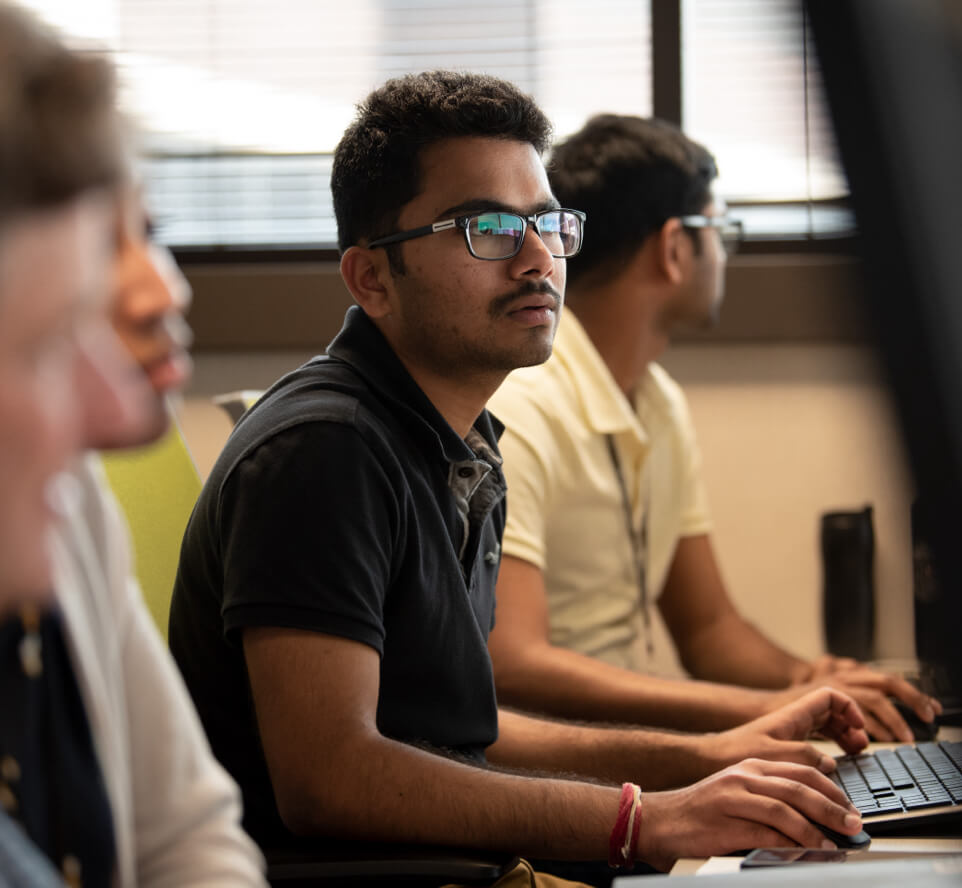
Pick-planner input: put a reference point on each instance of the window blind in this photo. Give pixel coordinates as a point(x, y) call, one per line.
point(239, 103)
point(752, 93)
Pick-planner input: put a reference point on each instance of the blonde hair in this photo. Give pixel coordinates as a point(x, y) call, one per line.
point(60, 131)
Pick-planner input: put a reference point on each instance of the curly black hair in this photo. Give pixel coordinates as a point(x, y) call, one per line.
point(377, 162)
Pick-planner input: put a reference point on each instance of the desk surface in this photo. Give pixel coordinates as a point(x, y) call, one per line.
point(707, 866)
point(930, 871)
point(880, 849)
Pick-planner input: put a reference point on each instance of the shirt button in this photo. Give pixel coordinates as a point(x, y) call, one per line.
point(9, 769)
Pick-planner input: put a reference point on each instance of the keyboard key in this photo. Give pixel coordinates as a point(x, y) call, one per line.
point(869, 806)
point(954, 787)
point(953, 751)
point(937, 760)
point(893, 767)
point(890, 806)
point(875, 778)
point(918, 805)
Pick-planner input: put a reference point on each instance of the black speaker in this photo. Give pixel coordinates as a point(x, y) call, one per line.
point(938, 612)
point(937, 607)
point(848, 583)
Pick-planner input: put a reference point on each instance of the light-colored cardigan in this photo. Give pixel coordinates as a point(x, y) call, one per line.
point(176, 812)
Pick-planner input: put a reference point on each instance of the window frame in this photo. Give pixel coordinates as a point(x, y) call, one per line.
point(780, 289)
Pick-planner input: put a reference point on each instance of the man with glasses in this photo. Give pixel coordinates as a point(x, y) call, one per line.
point(607, 515)
point(336, 584)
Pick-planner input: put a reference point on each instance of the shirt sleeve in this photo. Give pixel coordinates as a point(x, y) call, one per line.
point(309, 523)
point(695, 512)
point(526, 449)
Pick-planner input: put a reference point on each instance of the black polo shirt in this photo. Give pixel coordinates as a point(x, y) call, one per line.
point(344, 503)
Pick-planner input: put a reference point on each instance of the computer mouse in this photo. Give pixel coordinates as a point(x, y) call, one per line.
point(859, 841)
point(920, 730)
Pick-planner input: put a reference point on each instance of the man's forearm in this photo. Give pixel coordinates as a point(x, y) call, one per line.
point(567, 684)
point(383, 790)
point(733, 650)
point(656, 760)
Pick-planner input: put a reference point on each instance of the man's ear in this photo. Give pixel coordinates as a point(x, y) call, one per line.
point(674, 249)
point(367, 275)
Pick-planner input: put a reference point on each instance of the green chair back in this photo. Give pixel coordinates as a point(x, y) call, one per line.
point(156, 487)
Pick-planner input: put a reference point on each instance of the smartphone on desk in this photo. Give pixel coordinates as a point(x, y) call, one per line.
point(762, 857)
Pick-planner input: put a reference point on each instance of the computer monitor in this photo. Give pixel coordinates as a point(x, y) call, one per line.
point(893, 78)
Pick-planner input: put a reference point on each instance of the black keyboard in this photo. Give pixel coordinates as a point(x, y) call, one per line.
point(903, 780)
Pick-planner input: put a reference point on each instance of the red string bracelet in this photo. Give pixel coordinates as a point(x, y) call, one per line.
point(623, 844)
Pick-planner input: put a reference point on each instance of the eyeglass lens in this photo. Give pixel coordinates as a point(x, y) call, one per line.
point(499, 235)
point(731, 237)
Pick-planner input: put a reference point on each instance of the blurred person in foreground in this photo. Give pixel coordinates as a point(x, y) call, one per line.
point(102, 760)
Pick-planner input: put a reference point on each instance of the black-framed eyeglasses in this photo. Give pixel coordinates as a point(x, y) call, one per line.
point(499, 235)
point(729, 229)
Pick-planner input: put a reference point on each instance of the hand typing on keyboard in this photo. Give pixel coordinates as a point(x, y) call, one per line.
point(874, 691)
point(782, 735)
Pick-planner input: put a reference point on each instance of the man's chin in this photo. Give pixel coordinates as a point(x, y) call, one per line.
point(700, 323)
point(153, 428)
point(537, 350)
point(532, 359)
point(712, 317)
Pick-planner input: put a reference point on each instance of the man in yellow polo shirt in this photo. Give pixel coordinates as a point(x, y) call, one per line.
point(608, 560)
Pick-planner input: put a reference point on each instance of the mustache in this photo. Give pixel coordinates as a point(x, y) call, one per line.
point(528, 288)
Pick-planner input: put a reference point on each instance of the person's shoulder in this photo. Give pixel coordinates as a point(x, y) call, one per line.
point(662, 393)
point(535, 405)
point(321, 407)
point(664, 388)
point(321, 393)
point(531, 404)
point(528, 391)
point(91, 558)
point(321, 388)
point(87, 508)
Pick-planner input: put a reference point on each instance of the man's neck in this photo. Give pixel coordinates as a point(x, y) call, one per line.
point(459, 401)
point(623, 328)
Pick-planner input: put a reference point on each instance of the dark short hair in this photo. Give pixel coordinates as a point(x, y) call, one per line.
point(630, 175)
point(60, 132)
point(377, 166)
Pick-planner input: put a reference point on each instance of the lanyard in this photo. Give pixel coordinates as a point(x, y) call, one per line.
point(637, 539)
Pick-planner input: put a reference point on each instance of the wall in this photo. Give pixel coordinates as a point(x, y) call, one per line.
point(787, 431)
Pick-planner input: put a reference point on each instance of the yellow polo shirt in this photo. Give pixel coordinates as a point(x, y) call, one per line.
point(565, 507)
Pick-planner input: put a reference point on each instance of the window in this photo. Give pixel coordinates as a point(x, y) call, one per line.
point(240, 103)
point(751, 91)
